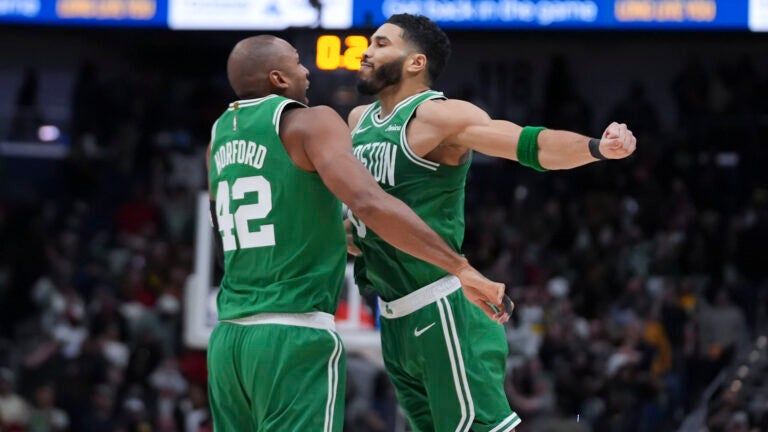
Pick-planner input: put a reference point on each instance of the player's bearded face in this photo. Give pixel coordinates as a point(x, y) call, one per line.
point(384, 75)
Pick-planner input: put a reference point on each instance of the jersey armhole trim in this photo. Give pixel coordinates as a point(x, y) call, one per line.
point(276, 122)
point(279, 112)
point(249, 102)
point(409, 153)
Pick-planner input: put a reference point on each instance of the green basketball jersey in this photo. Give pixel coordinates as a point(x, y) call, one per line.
point(435, 192)
point(282, 231)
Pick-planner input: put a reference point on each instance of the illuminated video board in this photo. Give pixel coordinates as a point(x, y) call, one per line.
point(108, 13)
point(563, 14)
point(347, 14)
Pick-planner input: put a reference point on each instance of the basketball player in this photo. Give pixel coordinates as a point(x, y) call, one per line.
point(445, 359)
point(276, 169)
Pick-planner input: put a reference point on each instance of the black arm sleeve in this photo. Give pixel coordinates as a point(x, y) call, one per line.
point(217, 236)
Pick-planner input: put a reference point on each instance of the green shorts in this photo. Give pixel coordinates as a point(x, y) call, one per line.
point(275, 377)
point(447, 363)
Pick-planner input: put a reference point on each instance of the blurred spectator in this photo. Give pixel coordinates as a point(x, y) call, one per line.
point(134, 416)
point(739, 422)
point(532, 393)
point(193, 411)
point(46, 417)
point(99, 417)
point(138, 215)
point(14, 410)
point(169, 385)
point(721, 326)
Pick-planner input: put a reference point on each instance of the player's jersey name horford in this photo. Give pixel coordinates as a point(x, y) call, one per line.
point(242, 152)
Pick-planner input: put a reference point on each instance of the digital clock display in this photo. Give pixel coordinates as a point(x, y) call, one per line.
point(334, 53)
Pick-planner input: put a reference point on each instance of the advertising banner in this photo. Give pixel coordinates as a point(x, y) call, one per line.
point(758, 15)
point(87, 13)
point(345, 14)
point(259, 14)
point(563, 14)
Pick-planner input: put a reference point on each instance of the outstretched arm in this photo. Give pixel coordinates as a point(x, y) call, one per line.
point(462, 124)
point(328, 147)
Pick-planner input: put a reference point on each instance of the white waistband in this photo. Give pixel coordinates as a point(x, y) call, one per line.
point(318, 320)
point(419, 298)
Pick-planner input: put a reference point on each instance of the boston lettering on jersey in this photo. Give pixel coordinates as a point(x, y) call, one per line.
point(242, 152)
point(379, 158)
point(434, 191)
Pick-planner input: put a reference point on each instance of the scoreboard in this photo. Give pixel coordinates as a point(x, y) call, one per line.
point(333, 55)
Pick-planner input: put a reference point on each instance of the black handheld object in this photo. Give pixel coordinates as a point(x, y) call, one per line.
point(509, 306)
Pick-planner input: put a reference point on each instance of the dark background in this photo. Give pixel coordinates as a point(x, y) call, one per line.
point(639, 283)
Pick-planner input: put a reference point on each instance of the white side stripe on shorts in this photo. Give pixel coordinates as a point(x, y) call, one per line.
point(461, 362)
point(333, 382)
point(457, 366)
point(508, 424)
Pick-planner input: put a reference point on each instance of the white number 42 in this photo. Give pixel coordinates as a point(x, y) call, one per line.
point(265, 235)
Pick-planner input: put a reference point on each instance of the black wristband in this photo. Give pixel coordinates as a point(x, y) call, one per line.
point(594, 149)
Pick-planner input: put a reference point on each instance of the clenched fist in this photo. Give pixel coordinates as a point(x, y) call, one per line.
point(617, 141)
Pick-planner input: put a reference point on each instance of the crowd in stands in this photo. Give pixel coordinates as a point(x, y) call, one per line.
point(636, 282)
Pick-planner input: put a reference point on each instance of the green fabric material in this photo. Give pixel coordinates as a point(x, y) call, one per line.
point(445, 359)
point(272, 377)
point(528, 148)
point(435, 192)
point(282, 230)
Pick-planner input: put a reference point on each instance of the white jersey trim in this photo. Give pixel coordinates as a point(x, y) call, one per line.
point(457, 366)
point(409, 153)
point(317, 320)
point(381, 122)
point(508, 423)
point(279, 112)
point(249, 102)
point(413, 157)
point(333, 382)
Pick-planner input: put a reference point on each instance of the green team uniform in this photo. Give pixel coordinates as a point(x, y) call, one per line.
point(443, 382)
point(275, 362)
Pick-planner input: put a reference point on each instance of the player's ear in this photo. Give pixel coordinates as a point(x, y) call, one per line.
point(416, 63)
point(278, 79)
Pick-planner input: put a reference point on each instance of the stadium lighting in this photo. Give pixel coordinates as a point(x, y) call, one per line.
point(48, 133)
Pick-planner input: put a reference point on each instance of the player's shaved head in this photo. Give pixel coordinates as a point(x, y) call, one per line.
point(251, 62)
